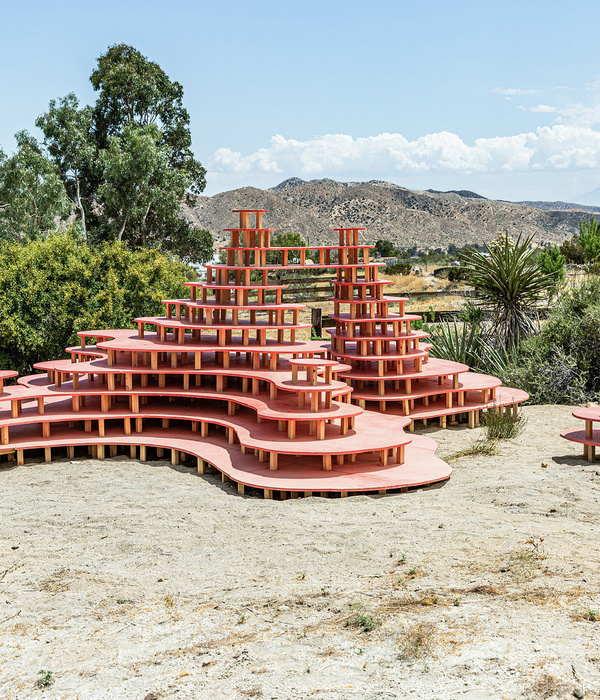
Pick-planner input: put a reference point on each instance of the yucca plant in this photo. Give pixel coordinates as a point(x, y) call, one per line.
point(509, 281)
point(462, 341)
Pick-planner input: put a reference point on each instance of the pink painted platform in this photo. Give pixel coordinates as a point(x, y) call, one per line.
point(588, 437)
point(222, 378)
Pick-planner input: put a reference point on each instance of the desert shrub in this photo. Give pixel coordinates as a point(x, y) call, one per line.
point(561, 364)
point(458, 274)
point(52, 288)
point(401, 268)
point(502, 425)
point(548, 379)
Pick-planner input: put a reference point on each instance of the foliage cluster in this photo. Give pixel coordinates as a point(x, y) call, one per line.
point(401, 268)
point(561, 364)
point(584, 247)
point(52, 288)
point(509, 281)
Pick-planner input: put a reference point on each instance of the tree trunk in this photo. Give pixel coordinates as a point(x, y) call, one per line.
point(81, 209)
point(120, 236)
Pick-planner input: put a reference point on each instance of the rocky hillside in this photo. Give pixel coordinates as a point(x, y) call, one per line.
point(428, 219)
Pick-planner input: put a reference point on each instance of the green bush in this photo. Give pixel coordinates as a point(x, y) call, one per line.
point(52, 288)
point(401, 268)
point(561, 364)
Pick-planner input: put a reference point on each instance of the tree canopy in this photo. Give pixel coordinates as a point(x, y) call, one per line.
point(56, 286)
point(32, 194)
point(126, 162)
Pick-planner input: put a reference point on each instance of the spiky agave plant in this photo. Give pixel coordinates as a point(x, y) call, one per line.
point(509, 281)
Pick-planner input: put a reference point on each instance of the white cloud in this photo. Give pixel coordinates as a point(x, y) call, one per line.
point(516, 92)
point(573, 114)
point(544, 109)
point(556, 147)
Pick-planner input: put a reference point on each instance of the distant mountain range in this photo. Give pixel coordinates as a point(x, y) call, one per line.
point(428, 218)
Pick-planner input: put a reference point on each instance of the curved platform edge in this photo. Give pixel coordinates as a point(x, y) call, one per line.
point(421, 468)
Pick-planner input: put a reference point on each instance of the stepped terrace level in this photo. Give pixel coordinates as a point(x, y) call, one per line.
point(222, 378)
point(391, 369)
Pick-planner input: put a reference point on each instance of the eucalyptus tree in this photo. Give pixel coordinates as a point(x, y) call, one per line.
point(67, 130)
point(33, 198)
point(133, 90)
point(127, 161)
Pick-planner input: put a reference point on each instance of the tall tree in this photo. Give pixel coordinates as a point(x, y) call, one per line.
point(127, 161)
point(32, 196)
point(134, 90)
point(140, 191)
point(68, 136)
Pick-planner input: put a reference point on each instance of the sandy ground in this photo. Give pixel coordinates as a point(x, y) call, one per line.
point(147, 581)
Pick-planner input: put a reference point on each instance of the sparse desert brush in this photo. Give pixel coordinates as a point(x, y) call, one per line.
point(410, 283)
point(418, 641)
point(549, 686)
point(365, 623)
point(591, 615)
point(482, 447)
point(524, 562)
point(45, 680)
point(360, 619)
point(501, 424)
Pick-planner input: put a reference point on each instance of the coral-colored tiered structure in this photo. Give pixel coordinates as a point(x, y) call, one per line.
point(223, 377)
point(391, 370)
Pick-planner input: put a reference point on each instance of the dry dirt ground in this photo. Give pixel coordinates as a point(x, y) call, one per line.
point(132, 581)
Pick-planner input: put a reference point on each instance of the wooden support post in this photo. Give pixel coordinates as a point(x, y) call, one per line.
point(70, 452)
point(47, 454)
point(20, 457)
point(200, 465)
point(143, 453)
point(174, 457)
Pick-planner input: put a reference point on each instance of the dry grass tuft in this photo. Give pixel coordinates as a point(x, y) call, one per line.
point(418, 641)
point(482, 447)
point(549, 686)
point(486, 589)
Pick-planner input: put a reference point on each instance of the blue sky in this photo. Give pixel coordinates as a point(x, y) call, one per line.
point(502, 97)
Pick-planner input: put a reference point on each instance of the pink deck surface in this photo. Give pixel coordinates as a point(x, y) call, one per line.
point(151, 343)
point(227, 324)
point(282, 408)
point(578, 435)
point(370, 432)
point(433, 368)
point(592, 413)
point(422, 465)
